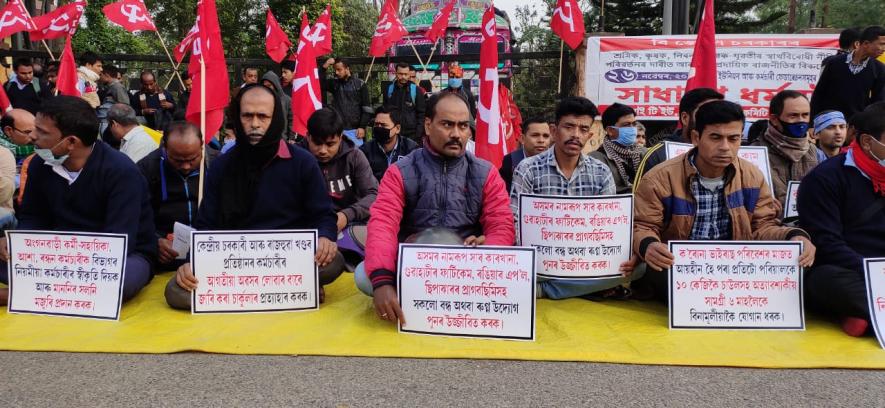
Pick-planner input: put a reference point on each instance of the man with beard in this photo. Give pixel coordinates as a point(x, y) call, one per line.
point(154, 104)
point(830, 129)
point(441, 185)
point(244, 190)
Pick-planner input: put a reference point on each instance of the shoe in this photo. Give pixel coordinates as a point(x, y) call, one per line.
point(615, 293)
point(855, 326)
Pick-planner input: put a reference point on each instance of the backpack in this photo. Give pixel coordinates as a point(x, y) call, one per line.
point(413, 90)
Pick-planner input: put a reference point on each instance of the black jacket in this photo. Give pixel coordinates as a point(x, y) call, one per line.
point(350, 98)
point(351, 187)
point(411, 111)
point(173, 196)
point(378, 159)
point(28, 98)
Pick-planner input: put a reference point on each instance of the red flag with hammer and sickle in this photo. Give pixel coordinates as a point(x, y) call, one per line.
point(14, 18)
point(132, 15)
point(59, 22)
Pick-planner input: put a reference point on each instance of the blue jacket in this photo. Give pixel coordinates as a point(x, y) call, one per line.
point(109, 195)
point(297, 201)
point(831, 199)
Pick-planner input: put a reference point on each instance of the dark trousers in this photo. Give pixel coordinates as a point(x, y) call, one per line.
point(837, 291)
point(656, 282)
point(179, 298)
point(136, 277)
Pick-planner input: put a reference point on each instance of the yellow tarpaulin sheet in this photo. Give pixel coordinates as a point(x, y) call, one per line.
point(570, 330)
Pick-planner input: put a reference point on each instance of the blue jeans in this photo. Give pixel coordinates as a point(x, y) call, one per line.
point(569, 288)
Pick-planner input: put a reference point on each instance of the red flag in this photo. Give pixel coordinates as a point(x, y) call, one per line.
point(67, 72)
point(321, 33)
point(132, 15)
point(207, 47)
point(511, 118)
point(568, 22)
point(440, 22)
point(186, 43)
point(277, 43)
point(5, 104)
point(490, 143)
point(59, 22)
point(14, 18)
point(388, 30)
point(702, 71)
point(305, 89)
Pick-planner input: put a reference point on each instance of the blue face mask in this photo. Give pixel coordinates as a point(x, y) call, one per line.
point(455, 82)
point(626, 135)
point(797, 130)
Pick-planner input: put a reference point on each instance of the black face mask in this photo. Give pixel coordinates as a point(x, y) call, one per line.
point(382, 135)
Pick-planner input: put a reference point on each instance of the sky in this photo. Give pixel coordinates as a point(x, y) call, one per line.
point(510, 7)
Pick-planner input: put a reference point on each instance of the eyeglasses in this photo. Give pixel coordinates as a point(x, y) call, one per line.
point(24, 132)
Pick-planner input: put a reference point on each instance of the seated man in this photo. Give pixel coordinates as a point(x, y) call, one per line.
point(386, 146)
point(706, 194)
point(440, 185)
point(790, 152)
point(18, 133)
point(173, 177)
point(349, 179)
point(842, 205)
point(535, 138)
point(135, 143)
point(245, 191)
point(619, 150)
point(830, 131)
point(564, 171)
point(76, 184)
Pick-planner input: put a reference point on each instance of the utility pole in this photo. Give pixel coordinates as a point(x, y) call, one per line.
point(668, 17)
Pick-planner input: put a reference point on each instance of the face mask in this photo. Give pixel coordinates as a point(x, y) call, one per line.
point(797, 130)
point(454, 82)
point(881, 161)
point(381, 135)
point(626, 136)
point(49, 158)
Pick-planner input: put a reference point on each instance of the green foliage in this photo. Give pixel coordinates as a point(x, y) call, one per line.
point(103, 37)
point(838, 14)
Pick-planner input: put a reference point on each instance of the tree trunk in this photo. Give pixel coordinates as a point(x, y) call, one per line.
point(825, 13)
point(812, 14)
point(791, 18)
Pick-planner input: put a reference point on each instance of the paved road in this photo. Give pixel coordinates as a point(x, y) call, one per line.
point(73, 380)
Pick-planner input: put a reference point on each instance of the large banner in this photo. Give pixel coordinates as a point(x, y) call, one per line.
point(736, 285)
point(66, 274)
point(874, 269)
point(485, 291)
point(254, 271)
point(577, 237)
point(649, 72)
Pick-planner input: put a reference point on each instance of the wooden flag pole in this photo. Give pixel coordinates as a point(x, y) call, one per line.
point(172, 61)
point(559, 83)
point(202, 125)
point(28, 13)
point(418, 56)
point(369, 74)
point(432, 50)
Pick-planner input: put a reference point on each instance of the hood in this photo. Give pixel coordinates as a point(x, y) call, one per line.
point(274, 79)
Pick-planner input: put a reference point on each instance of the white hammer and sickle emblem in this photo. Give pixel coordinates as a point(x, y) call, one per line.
point(134, 14)
point(566, 18)
point(383, 26)
point(5, 22)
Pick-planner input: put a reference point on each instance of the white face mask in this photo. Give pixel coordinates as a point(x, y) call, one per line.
point(49, 158)
point(881, 161)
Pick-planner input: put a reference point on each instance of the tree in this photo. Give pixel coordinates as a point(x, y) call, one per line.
point(102, 37)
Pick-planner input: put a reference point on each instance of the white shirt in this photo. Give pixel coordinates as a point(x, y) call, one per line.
point(137, 143)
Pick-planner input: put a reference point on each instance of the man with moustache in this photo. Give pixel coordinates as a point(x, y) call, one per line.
point(244, 190)
point(440, 185)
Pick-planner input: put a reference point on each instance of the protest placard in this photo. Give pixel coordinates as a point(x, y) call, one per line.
point(758, 155)
point(790, 210)
point(736, 285)
point(485, 291)
point(577, 237)
point(254, 271)
point(874, 270)
point(66, 273)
